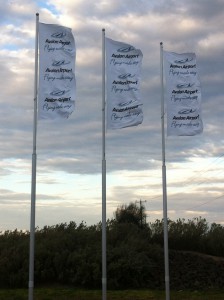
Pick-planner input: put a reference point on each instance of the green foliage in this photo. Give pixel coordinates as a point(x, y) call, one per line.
point(130, 258)
point(71, 254)
point(187, 235)
point(131, 214)
point(14, 255)
point(183, 235)
point(215, 240)
point(65, 252)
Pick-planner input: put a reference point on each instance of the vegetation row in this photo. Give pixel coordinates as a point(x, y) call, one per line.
point(70, 254)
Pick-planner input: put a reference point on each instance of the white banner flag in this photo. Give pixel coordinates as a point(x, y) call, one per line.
point(183, 94)
point(56, 72)
point(123, 69)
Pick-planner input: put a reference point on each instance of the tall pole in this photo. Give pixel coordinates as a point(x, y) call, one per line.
point(141, 208)
point(34, 163)
point(166, 248)
point(104, 238)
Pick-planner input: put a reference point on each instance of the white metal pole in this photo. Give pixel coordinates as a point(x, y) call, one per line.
point(166, 248)
point(34, 162)
point(104, 238)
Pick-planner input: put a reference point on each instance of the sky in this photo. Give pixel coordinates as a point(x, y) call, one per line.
point(69, 152)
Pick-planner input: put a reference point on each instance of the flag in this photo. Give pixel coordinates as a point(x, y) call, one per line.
point(183, 94)
point(56, 72)
point(123, 70)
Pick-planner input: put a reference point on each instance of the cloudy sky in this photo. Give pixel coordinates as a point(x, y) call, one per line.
point(69, 151)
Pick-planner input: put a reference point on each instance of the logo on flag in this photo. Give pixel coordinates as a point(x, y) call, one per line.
point(123, 69)
point(183, 94)
point(56, 72)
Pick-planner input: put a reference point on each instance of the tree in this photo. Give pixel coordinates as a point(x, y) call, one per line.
point(215, 240)
point(131, 214)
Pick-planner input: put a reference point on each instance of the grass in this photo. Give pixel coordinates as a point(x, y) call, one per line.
point(75, 294)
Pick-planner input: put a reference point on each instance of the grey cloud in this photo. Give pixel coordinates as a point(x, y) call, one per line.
point(13, 197)
point(205, 9)
point(74, 146)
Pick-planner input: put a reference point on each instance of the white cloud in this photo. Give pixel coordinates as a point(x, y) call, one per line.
point(69, 153)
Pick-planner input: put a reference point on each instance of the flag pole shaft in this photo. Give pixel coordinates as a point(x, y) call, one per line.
point(166, 248)
point(34, 162)
point(104, 249)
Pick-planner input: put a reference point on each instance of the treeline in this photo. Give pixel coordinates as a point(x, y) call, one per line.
point(191, 235)
point(70, 254)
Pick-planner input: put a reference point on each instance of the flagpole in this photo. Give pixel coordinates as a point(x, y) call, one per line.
point(104, 247)
point(166, 248)
point(34, 162)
